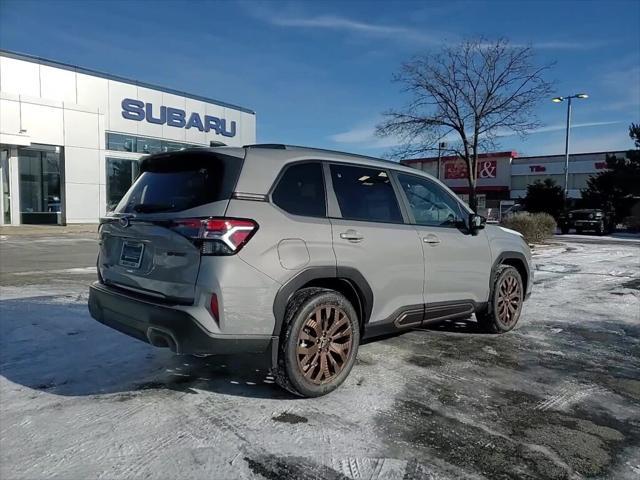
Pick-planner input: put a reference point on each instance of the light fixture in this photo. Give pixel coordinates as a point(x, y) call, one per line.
point(582, 95)
point(557, 99)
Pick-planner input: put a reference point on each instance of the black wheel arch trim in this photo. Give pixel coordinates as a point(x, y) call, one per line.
point(308, 275)
point(509, 255)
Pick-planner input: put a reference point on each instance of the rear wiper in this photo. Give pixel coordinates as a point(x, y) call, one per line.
point(151, 207)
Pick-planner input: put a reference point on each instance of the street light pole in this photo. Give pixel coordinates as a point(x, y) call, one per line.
point(566, 153)
point(566, 144)
point(441, 145)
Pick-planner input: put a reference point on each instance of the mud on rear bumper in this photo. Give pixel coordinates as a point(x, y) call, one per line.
point(163, 326)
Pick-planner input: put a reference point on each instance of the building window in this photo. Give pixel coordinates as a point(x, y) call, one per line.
point(121, 174)
point(119, 142)
point(40, 186)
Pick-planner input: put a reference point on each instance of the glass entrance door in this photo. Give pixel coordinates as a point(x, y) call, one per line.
point(40, 186)
point(121, 173)
point(5, 188)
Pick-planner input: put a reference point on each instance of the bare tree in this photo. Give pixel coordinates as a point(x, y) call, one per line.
point(472, 92)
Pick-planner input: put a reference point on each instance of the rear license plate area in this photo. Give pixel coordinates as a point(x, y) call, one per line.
point(131, 254)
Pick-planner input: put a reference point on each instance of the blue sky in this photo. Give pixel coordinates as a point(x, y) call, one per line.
point(319, 73)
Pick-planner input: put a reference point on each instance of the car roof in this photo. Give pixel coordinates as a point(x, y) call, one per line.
point(264, 162)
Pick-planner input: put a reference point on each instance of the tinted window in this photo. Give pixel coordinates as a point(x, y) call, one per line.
point(365, 194)
point(430, 204)
point(301, 190)
point(178, 181)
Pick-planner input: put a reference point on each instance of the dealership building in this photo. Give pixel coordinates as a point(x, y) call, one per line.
point(71, 138)
point(504, 176)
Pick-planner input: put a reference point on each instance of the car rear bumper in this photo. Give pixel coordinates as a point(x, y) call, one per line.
point(163, 326)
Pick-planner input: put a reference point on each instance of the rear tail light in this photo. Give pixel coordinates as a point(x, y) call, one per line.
point(216, 236)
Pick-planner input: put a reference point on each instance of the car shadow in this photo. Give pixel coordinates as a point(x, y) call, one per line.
point(52, 344)
point(463, 326)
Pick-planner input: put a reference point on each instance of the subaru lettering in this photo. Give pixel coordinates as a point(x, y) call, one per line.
point(174, 117)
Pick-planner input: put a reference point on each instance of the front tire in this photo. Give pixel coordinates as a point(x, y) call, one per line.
point(320, 342)
point(505, 304)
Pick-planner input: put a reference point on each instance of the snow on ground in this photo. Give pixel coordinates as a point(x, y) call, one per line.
point(557, 398)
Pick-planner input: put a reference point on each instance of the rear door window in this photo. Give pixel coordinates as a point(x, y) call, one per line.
point(301, 191)
point(179, 181)
point(365, 194)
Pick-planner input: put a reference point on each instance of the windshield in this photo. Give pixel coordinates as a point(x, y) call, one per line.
point(179, 181)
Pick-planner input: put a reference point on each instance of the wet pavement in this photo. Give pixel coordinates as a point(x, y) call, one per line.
point(557, 398)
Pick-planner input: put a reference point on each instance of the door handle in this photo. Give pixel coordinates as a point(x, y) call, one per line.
point(431, 240)
point(352, 236)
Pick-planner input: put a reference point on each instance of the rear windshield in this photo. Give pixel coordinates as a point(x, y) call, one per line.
point(179, 181)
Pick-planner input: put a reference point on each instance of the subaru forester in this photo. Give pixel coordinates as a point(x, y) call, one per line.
point(299, 252)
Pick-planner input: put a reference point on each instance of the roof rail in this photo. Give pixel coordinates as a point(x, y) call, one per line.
point(273, 146)
point(282, 146)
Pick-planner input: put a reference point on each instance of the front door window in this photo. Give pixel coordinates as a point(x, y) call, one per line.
point(429, 203)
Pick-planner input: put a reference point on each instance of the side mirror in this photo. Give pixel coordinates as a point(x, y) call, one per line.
point(476, 222)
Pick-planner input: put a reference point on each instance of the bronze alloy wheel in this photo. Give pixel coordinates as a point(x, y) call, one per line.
point(509, 300)
point(324, 344)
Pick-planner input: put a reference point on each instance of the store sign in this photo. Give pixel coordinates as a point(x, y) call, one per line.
point(537, 168)
point(600, 165)
point(175, 117)
point(457, 169)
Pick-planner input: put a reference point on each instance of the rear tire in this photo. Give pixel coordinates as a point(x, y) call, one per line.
point(505, 304)
point(319, 343)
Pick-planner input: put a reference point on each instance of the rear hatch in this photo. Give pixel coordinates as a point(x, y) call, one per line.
point(143, 247)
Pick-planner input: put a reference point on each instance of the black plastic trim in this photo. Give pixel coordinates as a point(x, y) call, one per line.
point(394, 322)
point(318, 273)
point(439, 311)
point(430, 313)
point(509, 255)
point(165, 327)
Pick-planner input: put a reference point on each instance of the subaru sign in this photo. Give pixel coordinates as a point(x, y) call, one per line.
point(175, 117)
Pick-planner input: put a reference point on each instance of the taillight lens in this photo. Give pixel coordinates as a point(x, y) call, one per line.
point(216, 236)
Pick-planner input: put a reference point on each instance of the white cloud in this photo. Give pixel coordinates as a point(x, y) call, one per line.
point(623, 87)
point(334, 22)
point(363, 135)
point(561, 126)
point(401, 32)
point(568, 45)
point(605, 142)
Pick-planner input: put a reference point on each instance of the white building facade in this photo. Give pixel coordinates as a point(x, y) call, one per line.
point(71, 138)
point(582, 166)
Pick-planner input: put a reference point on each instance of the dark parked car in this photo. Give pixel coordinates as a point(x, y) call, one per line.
point(591, 219)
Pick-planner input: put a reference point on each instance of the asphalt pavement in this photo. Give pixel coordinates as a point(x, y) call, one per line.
point(559, 397)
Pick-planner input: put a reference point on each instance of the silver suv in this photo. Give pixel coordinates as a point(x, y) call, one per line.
point(299, 252)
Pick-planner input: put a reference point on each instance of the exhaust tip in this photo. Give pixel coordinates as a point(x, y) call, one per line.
point(162, 339)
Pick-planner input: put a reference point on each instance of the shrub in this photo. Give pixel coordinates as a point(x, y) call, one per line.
point(536, 227)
